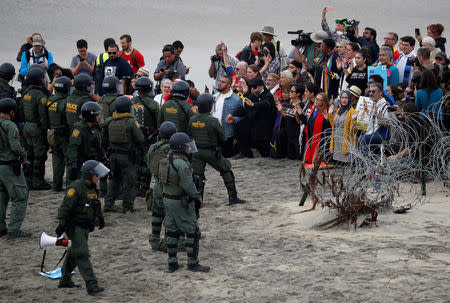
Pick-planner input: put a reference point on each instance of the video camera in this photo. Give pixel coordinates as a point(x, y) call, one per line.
point(350, 24)
point(302, 40)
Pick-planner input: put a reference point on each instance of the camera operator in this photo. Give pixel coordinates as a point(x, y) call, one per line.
point(268, 34)
point(221, 65)
point(339, 32)
point(84, 62)
point(267, 61)
point(369, 39)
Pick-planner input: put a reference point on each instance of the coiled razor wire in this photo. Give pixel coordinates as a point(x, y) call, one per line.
point(373, 182)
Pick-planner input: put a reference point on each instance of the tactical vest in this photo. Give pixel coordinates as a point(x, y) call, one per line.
point(173, 111)
point(84, 209)
point(117, 131)
point(73, 106)
point(30, 105)
point(54, 114)
point(105, 102)
point(156, 156)
point(202, 131)
point(164, 174)
point(142, 112)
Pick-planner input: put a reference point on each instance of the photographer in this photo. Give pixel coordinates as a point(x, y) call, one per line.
point(221, 65)
point(38, 54)
point(369, 40)
point(306, 53)
point(339, 32)
point(84, 62)
point(267, 61)
point(249, 52)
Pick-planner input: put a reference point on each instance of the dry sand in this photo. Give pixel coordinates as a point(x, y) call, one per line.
point(263, 251)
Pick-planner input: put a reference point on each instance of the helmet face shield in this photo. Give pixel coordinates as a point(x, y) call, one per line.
point(92, 85)
point(191, 147)
point(101, 170)
point(12, 80)
point(119, 88)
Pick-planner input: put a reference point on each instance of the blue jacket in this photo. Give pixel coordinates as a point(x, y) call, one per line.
point(25, 65)
point(230, 104)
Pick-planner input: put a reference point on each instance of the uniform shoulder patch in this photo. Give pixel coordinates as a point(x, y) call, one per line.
point(70, 192)
point(27, 97)
point(187, 171)
point(44, 101)
point(75, 133)
point(137, 124)
point(194, 109)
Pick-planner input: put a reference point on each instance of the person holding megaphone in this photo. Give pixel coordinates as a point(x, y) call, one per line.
point(79, 213)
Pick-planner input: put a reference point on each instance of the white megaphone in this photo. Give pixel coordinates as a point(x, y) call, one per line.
point(47, 240)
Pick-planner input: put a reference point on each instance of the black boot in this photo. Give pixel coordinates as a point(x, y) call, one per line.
point(174, 267)
point(18, 234)
point(198, 268)
point(95, 290)
point(235, 200)
point(69, 285)
point(3, 232)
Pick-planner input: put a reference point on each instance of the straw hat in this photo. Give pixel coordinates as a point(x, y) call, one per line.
point(268, 30)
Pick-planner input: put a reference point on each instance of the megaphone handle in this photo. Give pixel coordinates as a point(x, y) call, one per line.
point(42, 263)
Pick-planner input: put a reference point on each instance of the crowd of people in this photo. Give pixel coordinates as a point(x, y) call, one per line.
point(106, 108)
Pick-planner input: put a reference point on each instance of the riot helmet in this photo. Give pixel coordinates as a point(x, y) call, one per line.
point(92, 168)
point(144, 84)
point(7, 104)
point(82, 82)
point(205, 103)
point(180, 142)
point(63, 85)
point(7, 71)
point(112, 85)
point(167, 129)
point(90, 110)
point(181, 89)
point(35, 76)
point(122, 104)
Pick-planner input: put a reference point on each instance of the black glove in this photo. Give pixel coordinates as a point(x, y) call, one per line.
point(60, 229)
point(73, 174)
point(101, 222)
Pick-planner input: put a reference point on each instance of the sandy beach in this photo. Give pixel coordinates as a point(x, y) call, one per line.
point(263, 251)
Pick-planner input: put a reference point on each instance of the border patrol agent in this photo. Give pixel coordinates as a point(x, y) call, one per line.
point(208, 134)
point(12, 181)
point(176, 109)
point(58, 137)
point(145, 109)
point(85, 140)
point(122, 136)
point(112, 88)
point(34, 104)
point(179, 192)
point(156, 153)
point(79, 213)
point(78, 98)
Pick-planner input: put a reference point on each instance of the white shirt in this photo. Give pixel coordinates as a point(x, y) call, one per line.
point(382, 110)
point(159, 98)
point(401, 64)
point(218, 105)
point(274, 89)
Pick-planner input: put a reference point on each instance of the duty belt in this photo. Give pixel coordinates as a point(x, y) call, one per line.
point(119, 151)
point(174, 197)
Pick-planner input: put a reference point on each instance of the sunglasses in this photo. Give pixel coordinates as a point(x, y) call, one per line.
point(112, 53)
point(372, 91)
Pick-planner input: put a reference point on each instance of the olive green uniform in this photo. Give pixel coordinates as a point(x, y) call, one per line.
point(84, 144)
point(73, 105)
point(122, 135)
point(177, 180)
point(156, 153)
point(208, 134)
point(34, 107)
point(12, 181)
point(145, 109)
point(178, 111)
point(78, 213)
point(56, 107)
point(107, 104)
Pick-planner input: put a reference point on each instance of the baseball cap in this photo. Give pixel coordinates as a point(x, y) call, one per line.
point(36, 40)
